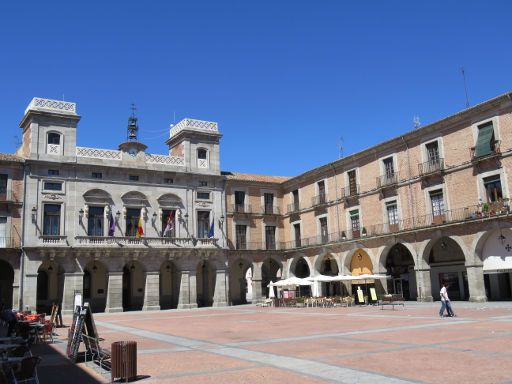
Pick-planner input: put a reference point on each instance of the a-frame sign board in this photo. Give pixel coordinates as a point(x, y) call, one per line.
point(83, 323)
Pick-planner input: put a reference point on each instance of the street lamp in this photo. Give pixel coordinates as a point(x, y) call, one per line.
point(34, 214)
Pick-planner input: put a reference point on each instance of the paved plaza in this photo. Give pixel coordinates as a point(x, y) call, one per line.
point(249, 344)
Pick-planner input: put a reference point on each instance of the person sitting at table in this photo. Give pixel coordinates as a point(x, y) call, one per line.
point(9, 317)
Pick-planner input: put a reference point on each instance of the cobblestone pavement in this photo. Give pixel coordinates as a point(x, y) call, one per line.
point(249, 344)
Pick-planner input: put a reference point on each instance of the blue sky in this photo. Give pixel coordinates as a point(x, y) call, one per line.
point(284, 79)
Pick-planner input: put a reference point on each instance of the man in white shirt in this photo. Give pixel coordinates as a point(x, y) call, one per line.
point(444, 295)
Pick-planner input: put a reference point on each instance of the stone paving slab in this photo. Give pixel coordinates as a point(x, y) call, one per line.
point(251, 344)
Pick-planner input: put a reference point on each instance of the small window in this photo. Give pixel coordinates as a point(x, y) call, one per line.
point(54, 138)
point(485, 144)
point(203, 195)
point(493, 191)
point(389, 169)
point(51, 186)
point(168, 180)
point(201, 154)
point(134, 178)
point(53, 172)
point(97, 175)
point(203, 183)
point(3, 183)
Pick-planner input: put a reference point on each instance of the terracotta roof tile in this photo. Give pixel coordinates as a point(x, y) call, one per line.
point(256, 178)
point(11, 157)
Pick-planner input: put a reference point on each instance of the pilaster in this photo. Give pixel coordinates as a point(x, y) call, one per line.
point(73, 281)
point(188, 290)
point(423, 285)
point(152, 292)
point(476, 283)
point(221, 289)
point(114, 292)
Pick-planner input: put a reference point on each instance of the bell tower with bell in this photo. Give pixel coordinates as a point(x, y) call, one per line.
point(132, 147)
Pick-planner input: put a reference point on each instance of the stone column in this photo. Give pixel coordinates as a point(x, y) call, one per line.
point(221, 289)
point(188, 290)
point(423, 284)
point(257, 289)
point(152, 292)
point(476, 283)
point(73, 281)
point(30, 292)
point(114, 292)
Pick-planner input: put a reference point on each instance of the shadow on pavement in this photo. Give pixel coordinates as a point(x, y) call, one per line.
point(55, 368)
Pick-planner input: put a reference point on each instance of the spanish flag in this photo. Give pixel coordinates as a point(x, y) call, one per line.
point(140, 230)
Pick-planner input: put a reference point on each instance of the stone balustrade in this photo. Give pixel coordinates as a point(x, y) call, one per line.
point(48, 105)
point(129, 241)
point(196, 125)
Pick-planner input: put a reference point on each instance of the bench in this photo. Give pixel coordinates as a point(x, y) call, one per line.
point(391, 300)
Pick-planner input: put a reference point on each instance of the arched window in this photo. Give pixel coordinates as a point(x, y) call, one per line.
point(53, 138)
point(53, 145)
point(202, 158)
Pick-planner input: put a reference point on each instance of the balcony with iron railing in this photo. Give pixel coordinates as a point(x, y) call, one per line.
point(256, 246)
point(270, 210)
point(454, 216)
point(132, 241)
point(495, 151)
point(432, 166)
point(319, 200)
point(293, 207)
point(350, 192)
point(387, 180)
point(240, 208)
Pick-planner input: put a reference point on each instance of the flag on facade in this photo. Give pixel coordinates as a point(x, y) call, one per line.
point(211, 232)
point(111, 223)
point(170, 224)
point(140, 230)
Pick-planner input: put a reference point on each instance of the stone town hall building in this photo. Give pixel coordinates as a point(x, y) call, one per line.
point(431, 205)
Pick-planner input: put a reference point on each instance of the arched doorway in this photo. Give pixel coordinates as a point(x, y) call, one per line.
point(134, 284)
point(6, 282)
point(329, 267)
point(361, 264)
point(497, 265)
point(270, 271)
point(240, 281)
point(447, 264)
point(205, 284)
point(95, 286)
point(400, 266)
point(169, 285)
point(50, 286)
point(302, 271)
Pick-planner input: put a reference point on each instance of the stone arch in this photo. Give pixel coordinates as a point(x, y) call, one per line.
point(6, 283)
point(97, 196)
point(135, 199)
point(134, 285)
point(95, 285)
point(205, 283)
point(170, 200)
point(50, 285)
point(360, 262)
point(399, 265)
point(169, 285)
point(383, 254)
point(494, 250)
point(240, 280)
point(271, 270)
point(292, 265)
point(447, 258)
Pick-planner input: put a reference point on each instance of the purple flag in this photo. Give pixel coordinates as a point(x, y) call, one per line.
point(111, 224)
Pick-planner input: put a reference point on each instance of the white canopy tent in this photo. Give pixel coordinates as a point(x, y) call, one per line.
point(291, 282)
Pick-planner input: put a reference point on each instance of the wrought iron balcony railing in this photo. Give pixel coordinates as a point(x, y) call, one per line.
point(387, 180)
point(294, 207)
point(270, 210)
point(241, 208)
point(351, 191)
point(319, 200)
point(431, 166)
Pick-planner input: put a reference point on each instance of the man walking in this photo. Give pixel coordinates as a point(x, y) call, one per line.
point(444, 294)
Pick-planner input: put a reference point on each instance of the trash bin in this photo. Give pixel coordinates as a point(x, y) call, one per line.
point(124, 360)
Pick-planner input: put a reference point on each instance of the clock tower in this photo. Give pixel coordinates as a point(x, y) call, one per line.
point(132, 147)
